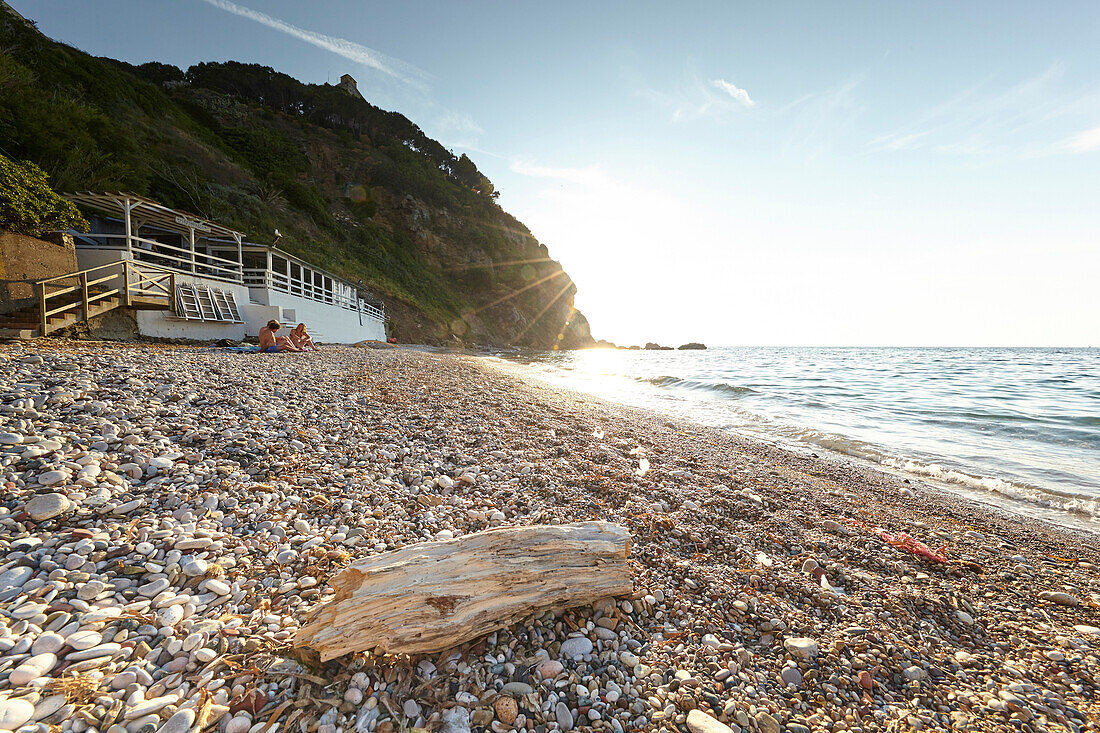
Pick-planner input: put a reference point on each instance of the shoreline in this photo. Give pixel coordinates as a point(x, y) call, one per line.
point(779, 450)
point(980, 486)
point(756, 602)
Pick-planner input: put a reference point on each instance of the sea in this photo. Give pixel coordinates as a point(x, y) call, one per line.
point(1015, 428)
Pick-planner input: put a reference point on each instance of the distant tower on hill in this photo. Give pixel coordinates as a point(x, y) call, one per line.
point(347, 83)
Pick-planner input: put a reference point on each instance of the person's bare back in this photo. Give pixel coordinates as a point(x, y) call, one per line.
point(271, 343)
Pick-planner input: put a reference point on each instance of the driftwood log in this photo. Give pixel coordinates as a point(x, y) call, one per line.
point(432, 596)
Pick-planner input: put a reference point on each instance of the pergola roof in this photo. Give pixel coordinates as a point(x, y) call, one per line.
point(149, 211)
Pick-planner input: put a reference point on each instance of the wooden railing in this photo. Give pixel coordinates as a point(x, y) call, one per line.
point(263, 278)
point(122, 279)
point(168, 256)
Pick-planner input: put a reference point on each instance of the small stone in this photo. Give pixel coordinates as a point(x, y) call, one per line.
point(50, 478)
point(411, 709)
point(150, 706)
point(90, 590)
point(550, 669)
point(791, 676)
point(194, 567)
point(102, 650)
point(563, 716)
point(10, 439)
point(15, 713)
point(455, 720)
point(800, 647)
point(506, 709)
point(576, 647)
point(239, 724)
point(865, 680)
point(47, 706)
point(1062, 599)
point(517, 689)
point(170, 615)
point(181, 722)
point(218, 587)
point(766, 723)
point(965, 618)
point(48, 506)
point(700, 722)
point(84, 639)
point(37, 666)
point(914, 673)
point(49, 642)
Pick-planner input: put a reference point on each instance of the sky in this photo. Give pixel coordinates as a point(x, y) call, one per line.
point(782, 173)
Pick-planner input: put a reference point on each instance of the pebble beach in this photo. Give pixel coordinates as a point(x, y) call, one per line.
point(171, 514)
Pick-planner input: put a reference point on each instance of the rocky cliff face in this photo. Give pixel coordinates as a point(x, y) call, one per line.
point(354, 189)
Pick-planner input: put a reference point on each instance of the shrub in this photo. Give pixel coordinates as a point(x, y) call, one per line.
point(27, 203)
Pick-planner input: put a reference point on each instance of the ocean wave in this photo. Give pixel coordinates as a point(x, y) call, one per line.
point(937, 473)
point(1027, 493)
point(719, 387)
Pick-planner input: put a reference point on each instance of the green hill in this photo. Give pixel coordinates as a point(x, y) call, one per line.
point(353, 188)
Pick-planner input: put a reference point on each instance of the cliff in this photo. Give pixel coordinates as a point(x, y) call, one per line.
point(353, 188)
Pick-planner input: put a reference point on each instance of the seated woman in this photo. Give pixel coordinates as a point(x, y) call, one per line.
point(301, 339)
point(271, 343)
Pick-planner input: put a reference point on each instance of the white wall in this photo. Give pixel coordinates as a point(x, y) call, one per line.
point(162, 324)
point(325, 322)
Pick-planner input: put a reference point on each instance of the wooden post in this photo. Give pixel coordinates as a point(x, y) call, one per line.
point(42, 305)
point(172, 292)
point(84, 294)
point(240, 257)
point(127, 208)
point(191, 238)
point(126, 283)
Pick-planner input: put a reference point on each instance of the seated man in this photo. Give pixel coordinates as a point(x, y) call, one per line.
point(271, 343)
point(301, 339)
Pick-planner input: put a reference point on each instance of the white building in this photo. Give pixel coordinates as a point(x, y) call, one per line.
point(210, 283)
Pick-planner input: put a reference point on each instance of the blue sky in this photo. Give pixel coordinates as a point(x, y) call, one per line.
point(738, 173)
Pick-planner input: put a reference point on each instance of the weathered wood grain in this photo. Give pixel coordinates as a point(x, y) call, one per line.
point(433, 596)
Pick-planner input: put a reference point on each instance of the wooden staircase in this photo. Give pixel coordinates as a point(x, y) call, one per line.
point(66, 300)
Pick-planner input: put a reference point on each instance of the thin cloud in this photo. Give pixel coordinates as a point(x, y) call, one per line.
point(1019, 120)
point(588, 176)
point(734, 91)
point(455, 129)
point(1086, 141)
point(695, 97)
point(340, 46)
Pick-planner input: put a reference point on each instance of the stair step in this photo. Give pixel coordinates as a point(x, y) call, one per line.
point(18, 333)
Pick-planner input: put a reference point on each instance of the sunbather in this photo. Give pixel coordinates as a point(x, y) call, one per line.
point(301, 339)
point(271, 343)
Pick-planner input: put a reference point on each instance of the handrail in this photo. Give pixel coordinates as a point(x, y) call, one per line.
point(101, 267)
point(126, 289)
